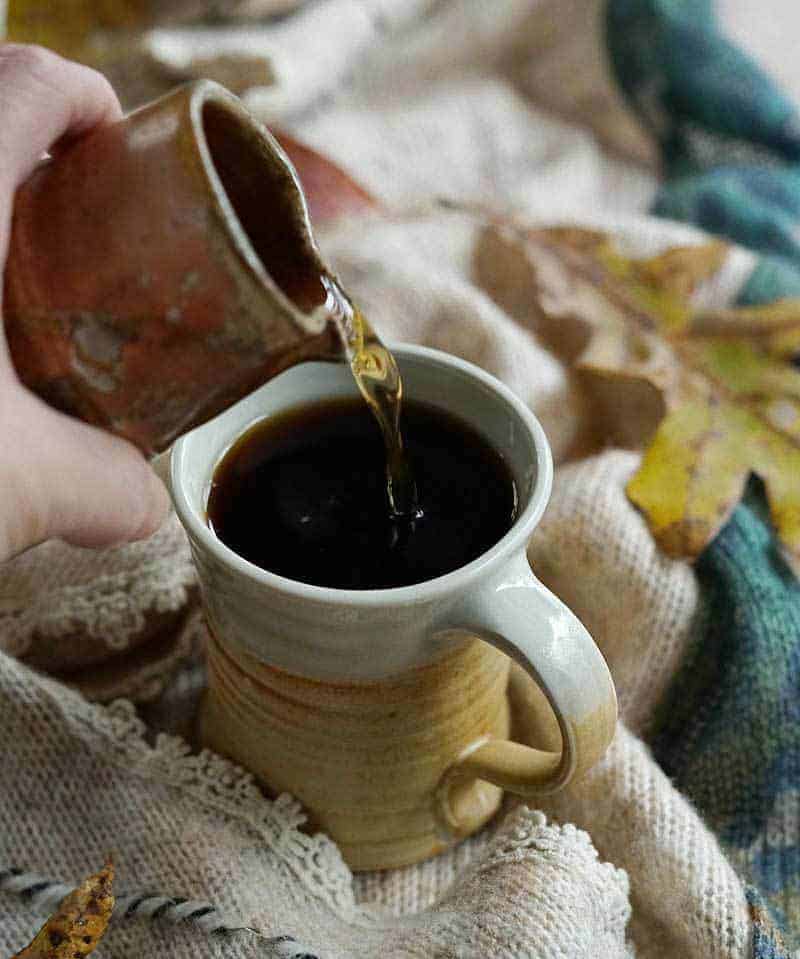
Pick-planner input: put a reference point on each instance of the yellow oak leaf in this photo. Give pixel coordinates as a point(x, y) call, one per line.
point(711, 396)
point(79, 923)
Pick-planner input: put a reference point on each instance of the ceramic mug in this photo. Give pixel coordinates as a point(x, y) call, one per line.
point(385, 711)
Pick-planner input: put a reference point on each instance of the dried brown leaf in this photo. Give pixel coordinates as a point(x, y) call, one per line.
point(713, 396)
point(330, 191)
point(79, 922)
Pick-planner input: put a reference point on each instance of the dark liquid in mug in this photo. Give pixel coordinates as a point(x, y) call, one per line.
point(304, 494)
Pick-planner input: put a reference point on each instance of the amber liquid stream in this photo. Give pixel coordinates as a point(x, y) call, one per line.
point(378, 379)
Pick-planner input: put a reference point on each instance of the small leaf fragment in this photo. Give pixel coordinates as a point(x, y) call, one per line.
point(682, 269)
point(691, 477)
point(79, 923)
point(330, 192)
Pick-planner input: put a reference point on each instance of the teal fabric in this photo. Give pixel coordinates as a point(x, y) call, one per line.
point(728, 732)
point(768, 943)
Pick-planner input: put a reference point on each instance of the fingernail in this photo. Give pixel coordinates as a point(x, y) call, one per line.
point(159, 505)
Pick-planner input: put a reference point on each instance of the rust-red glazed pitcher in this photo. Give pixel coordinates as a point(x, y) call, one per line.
point(163, 268)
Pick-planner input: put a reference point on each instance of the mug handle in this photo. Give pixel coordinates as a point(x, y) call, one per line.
point(516, 613)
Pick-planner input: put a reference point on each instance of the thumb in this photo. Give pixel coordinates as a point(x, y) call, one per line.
point(74, 482)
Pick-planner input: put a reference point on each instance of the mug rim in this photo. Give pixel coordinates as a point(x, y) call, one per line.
point(507, 546)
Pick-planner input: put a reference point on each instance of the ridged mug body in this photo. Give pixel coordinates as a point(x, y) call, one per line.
point(364, 758)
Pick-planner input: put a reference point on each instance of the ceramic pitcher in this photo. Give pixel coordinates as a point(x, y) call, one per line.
point(163, 268)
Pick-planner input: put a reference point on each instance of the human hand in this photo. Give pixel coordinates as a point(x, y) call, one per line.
point(59, 478)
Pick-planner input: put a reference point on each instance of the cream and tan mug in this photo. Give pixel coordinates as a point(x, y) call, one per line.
point(386, 712)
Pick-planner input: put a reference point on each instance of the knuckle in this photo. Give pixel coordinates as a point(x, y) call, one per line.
point(28, 58)
point(102, 83)
point(42, 65)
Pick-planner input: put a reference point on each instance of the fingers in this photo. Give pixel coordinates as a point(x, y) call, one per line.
point(73, 482)
point(44, 99)
point(58, 477)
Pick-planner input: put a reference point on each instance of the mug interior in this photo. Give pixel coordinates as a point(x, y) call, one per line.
point(429, 376)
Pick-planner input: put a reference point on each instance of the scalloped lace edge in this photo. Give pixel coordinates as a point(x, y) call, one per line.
point(527, 832)
point(111, 608)
point(315, 859)
point(231, 790)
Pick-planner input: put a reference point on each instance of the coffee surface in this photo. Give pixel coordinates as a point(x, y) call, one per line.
point(304, 494)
